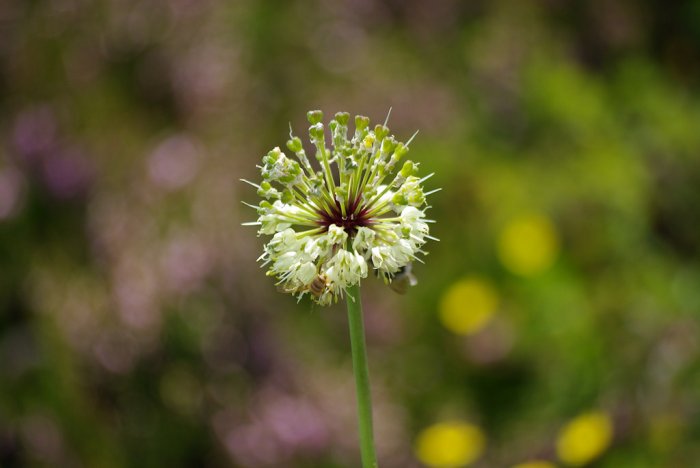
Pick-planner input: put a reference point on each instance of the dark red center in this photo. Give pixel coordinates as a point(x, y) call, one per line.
point(355, 216)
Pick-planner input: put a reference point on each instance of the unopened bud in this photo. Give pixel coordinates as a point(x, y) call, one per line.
point(287, 196)
point(342, 118)
point(408, 169)
point(265, 207)
point(388, 145)
point(361, 122)
point(294, 144)
point(399, 152)
point(381, 131)
point(316, 132)
point(314, 116)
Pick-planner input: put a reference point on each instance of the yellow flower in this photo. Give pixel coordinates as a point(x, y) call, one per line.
point(528, 245)
point(450, 444)
point(584, 438)
point(468, 305)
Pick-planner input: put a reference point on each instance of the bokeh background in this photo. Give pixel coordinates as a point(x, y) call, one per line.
point(556, 321)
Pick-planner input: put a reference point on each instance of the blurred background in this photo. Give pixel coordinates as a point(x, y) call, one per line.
point(556, 323)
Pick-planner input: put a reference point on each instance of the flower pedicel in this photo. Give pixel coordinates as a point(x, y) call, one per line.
point(329, 230)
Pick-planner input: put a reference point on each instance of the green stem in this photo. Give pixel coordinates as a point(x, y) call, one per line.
point(359, 365)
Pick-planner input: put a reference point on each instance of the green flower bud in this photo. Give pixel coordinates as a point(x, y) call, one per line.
point(409, 168)
point(291, 175)
point(316, 132)
point(268, 191)
point(381, 131)
point(272, 156)
point(416, 198)
point(294, 144)
point(314, 116)
point(388, 145)
point(361, 123)
point(265, 207)
point(399, 152)
point(342, 118)
point(287, 196)
point(399, 199)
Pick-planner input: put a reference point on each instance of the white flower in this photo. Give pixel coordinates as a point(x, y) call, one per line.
point(337, 235)
point(346, 268)
point(364, 239)
point(413, 226)
point(277, 217)
point(384, 260)
point(330, 227)
point(306, 273)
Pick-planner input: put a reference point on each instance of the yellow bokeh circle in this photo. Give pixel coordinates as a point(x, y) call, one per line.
point(528, 245)
point(468, 305)
point(584, 438)
point(450, 444)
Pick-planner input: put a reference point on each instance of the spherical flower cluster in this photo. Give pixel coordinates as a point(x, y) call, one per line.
point(356, 213)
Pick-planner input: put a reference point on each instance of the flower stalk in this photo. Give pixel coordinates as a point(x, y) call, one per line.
point(361, 372)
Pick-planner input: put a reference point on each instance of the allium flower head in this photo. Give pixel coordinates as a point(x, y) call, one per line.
point(361, 209)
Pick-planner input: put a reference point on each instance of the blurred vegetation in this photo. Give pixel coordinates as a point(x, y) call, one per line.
point(555, 324)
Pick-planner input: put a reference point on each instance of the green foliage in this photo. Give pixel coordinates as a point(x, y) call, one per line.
point(137, 330)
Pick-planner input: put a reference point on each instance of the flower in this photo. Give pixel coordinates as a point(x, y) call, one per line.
point(528, 245)
point(468, 305)
point(450, 444)
point(331, 226)
point(585, 438)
